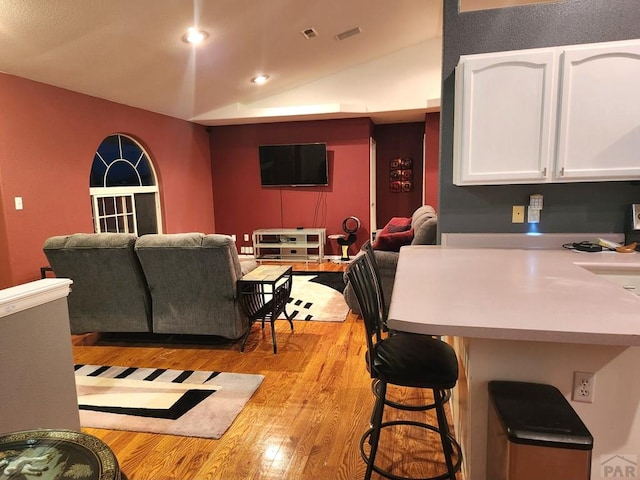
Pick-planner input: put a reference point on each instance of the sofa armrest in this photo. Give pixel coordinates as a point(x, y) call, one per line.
point(247, 265)
point(426, 232)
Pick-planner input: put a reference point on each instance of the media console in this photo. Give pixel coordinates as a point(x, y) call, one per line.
point(292, 244)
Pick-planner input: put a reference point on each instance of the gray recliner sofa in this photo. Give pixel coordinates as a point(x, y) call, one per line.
point(171, 283)
point(192, 279)
point(109, 291)
point(424, 222)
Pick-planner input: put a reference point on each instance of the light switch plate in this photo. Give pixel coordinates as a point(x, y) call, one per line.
point(18, 202)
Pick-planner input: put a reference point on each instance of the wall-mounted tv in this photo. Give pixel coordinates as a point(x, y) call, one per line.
point(303, 164)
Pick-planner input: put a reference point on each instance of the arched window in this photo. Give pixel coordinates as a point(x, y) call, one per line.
point(123, 188)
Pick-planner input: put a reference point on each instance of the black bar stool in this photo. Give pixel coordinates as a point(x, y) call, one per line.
point(367, 248)
point(407, 360)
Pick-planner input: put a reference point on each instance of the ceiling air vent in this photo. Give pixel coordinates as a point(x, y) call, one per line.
point(309, 33)
point(349, 33)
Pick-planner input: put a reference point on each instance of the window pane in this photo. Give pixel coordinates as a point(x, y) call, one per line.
point(109, 149)
point(144, 170)
point(122, 174)
point(146, 213)
point(98, 170)
point(131, 228)
point(110, 224)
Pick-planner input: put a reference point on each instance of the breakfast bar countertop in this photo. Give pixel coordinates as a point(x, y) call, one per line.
point(536, 295)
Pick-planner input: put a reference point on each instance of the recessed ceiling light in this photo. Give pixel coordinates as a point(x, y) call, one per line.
point(260, 79)
point(194, 36)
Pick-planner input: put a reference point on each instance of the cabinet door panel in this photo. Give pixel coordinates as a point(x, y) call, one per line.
point(599, 132)
point(505, 107)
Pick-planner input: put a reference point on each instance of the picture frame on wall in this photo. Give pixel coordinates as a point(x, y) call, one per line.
point(401, 175)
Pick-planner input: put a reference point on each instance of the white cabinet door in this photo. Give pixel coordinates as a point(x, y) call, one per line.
point(505, 117)
point(599, 129)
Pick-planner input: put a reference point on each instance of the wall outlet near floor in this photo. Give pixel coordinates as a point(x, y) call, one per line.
point(584, 385)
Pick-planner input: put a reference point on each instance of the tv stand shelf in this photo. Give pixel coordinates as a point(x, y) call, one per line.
point(293, 244)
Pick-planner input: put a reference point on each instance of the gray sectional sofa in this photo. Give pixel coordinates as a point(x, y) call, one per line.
point(424, 224)
point(171, 283)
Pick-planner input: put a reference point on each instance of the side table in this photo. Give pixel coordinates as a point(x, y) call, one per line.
point(263, 295)
point(56, 454)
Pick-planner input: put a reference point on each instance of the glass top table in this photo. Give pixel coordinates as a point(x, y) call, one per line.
point(263, 294)
point(56, 454)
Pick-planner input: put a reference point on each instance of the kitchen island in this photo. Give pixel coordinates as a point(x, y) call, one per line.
point(529, 315)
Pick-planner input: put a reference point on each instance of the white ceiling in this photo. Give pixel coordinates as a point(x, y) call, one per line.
point(130, 52)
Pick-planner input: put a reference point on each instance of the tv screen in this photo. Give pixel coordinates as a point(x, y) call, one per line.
point(293, 165)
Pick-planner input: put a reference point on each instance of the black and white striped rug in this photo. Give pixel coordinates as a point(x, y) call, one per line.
point(317, 296)
point(174, 402)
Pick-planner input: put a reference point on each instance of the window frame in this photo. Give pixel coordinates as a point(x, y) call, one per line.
point(100, 193)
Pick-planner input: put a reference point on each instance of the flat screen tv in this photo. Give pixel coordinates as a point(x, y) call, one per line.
point(303, 164)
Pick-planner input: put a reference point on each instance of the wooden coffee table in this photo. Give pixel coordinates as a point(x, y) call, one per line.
point(263, 294)
point(56, 454)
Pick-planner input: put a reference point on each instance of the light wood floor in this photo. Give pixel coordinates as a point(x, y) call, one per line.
point(304, 422)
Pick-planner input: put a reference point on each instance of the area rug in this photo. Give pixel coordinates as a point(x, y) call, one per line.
point(317, 296)
point(172, 402)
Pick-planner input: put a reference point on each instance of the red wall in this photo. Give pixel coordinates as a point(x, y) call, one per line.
point(432, 159)
point(393, 141)
point(49, 137)
point(242, 205)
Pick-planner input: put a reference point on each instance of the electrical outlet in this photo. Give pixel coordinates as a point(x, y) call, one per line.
point(584, 385)
point(517, 214)
point(246, 237)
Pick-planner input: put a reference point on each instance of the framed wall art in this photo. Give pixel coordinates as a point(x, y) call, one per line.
point(401, 175)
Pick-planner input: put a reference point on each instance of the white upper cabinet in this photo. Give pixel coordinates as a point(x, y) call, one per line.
point(505, 109)
point(599, 120)
point(560, 114)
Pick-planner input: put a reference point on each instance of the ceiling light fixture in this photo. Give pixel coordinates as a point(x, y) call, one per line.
point(260, 79)
point(194, 36)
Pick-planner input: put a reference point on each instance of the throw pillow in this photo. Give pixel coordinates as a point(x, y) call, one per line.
point(398, 224)
point(395, 234)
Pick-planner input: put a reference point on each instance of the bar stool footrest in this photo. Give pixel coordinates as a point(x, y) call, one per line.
point(455, 446)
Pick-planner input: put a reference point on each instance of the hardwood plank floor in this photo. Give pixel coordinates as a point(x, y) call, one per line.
point(304, 422)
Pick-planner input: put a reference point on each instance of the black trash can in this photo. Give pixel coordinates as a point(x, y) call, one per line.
point(535, 434)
